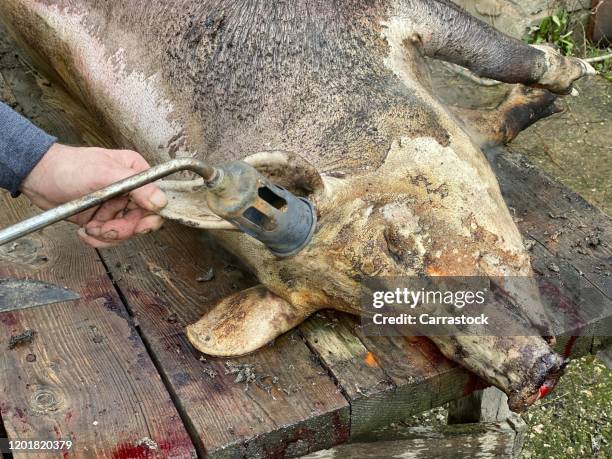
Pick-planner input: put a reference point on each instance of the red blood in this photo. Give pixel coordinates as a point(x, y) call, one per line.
point(129, 451)
point(568, 347)
point(544, 390)
point(8, 318)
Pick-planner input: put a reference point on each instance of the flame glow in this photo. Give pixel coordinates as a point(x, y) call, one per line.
point(370, 360)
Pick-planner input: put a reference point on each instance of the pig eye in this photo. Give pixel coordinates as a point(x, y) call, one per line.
point(394, 244)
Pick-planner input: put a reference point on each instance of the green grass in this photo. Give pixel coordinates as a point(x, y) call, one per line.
point(576, 419)
point(604, 67)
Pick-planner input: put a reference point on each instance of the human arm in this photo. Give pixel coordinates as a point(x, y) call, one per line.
point(50, 174)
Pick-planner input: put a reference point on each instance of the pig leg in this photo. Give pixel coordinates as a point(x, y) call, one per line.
point(522, 107)
point(449, 33)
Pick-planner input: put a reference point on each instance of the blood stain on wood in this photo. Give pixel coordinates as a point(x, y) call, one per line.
point(8, 319)
point(129, 451)
point(341, 428)
point(146, 449)
point(567, 351)
point(20, 415)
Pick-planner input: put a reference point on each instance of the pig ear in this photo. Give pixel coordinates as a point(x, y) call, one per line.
point(288, 170)
point(187, 205)
point(244, 322)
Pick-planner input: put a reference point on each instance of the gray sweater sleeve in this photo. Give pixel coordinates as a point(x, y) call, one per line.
point(22, 145)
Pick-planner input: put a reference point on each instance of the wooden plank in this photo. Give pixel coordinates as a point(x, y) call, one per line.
point(573, 248)
point(485, 440)
point(560, 220)
point(424, 377)
point(487, 405)
point(369, 389)
point(559, 289)
point(385, 378)
point(302, 410)
point(86, 375)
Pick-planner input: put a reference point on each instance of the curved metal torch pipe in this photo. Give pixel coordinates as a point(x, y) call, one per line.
point(209, 173)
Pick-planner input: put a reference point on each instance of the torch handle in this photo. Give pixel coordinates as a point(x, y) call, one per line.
point(97, 198)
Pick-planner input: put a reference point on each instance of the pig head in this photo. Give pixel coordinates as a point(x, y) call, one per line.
point(425, 211)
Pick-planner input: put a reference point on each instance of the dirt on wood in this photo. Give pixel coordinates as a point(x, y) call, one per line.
point(25, 337)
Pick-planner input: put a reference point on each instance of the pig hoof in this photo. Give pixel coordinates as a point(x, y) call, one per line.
point(561, 71)
point(589, 70)
point(522, 107)
point(542, 378)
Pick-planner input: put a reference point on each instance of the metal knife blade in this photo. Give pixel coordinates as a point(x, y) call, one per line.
point(23, 293)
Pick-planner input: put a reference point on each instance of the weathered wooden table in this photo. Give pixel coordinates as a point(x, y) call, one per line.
point(115, 367)
point(115, 373)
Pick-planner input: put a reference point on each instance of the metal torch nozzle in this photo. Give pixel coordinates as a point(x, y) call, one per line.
point(283, 222)
point(237, 193)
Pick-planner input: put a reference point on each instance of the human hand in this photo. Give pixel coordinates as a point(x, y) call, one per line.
point(67, 173)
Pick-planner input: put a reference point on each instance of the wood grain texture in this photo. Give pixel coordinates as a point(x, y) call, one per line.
point(385, 378)
point(557, 218)
point(86, 376)
point(487, 405)
point(483, 440)
point(570, 235)
point(294, 408)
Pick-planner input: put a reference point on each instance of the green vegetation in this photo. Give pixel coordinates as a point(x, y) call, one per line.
point(603, 67)
point(554, 29)
point(574, 421)
point(560, 30)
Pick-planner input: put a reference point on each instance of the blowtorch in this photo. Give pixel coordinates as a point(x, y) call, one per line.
point(236, 192)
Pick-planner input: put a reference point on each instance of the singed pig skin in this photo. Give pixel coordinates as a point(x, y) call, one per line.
point(342, 90)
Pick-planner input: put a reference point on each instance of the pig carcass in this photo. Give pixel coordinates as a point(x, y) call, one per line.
point(332, 99)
